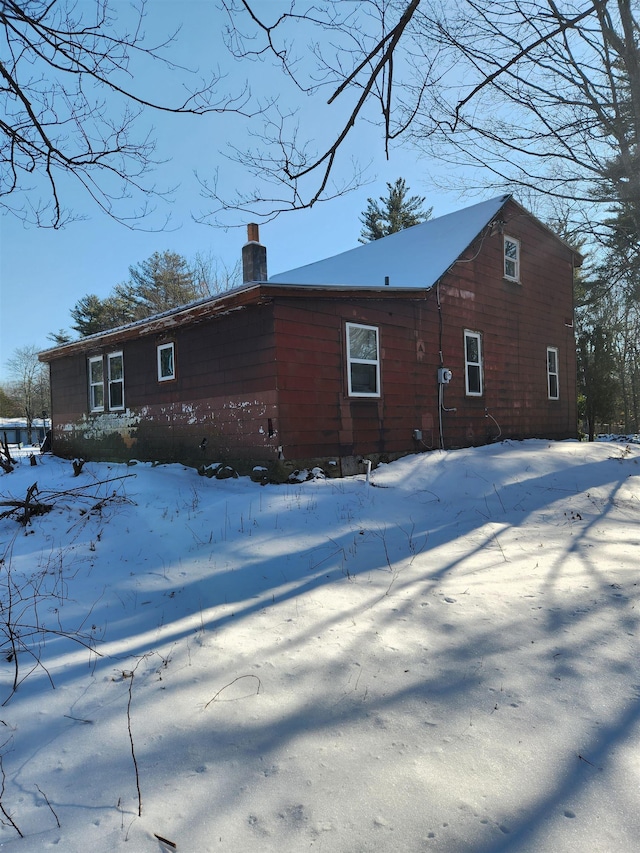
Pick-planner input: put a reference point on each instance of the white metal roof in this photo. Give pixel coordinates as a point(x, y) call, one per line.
point(416, 257)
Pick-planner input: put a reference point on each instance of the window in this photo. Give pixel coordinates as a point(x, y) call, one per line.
point(473, 364)
point(553, 386)
point(116, 380)
point(96, 384)
point(363, 361)
point(512, 258)
point(166, 362)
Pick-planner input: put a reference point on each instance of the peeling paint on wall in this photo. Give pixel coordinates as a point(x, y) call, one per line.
point(211, 428)
point(95, 427)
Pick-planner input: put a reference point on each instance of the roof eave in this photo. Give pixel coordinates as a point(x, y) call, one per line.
point(238, 297)
point(158, 322)
point(352, 289)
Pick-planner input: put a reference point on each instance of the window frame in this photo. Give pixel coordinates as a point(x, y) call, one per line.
point(111, 383)
point(352, 360)
point(553, 374)
point(159, 349)
point(506, 259)
point(469, 333)
point(93, 385)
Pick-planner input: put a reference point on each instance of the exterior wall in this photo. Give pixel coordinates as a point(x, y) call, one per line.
point(317, 416)
point(265, 378)
point(224, 392)
point(517, 322)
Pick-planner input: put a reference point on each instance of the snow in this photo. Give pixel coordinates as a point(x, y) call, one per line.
point(413, 258)
point(444, 659)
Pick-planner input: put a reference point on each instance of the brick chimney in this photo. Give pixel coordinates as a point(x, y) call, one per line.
point(254, 256)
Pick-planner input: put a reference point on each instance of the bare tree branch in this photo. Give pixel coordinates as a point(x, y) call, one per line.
point(538, 94)
point(72, 106)
point(309, 177)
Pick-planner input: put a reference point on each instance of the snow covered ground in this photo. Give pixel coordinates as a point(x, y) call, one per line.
point(446, 659)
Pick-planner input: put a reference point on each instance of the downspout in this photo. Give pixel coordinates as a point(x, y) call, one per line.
point(442, 371)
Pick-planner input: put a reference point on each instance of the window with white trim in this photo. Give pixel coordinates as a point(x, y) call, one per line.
point(96, 384)
point(553, 383)
point(511, 258)
point(166, 362)
point(473, 364)
point(363, 360)
point(115, 372)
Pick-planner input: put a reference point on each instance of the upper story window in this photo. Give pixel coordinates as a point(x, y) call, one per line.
point(553, 384)
point(473, 364)
point(166, 362)
point(511, 258)
point(116, 380)
point(96, 384)
point(363, 360)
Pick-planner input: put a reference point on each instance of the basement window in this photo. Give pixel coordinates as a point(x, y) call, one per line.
point(116, 381)
point(363, 360)
point(553, 384)
point(96, 384)
point(473, 364)
point(166, 362)
point(511, 258)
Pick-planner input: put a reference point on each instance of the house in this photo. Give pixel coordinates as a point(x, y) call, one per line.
point(455, 332)
point(16, 430)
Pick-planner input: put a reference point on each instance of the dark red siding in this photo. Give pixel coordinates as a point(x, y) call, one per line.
point(317, 416)
point(262, 374)
point(224, 392)
point(517, 323)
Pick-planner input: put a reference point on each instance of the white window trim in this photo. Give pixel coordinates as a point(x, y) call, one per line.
point(555, 373)
point(516, 242)
point(469, 334)
point(111, 381)
point(94, 360)
point(350, 361)
point(161, 347)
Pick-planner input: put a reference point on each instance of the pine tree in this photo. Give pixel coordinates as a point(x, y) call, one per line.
point(163, 281)
point(92, 314)
point(598, 375)
point(393, 212)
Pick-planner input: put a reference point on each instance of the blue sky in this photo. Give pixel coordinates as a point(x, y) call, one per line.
point(43, 272)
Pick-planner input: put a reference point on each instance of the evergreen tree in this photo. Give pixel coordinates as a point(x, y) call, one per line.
point(162, 282)
point(92, 314)
point(87, 313)
point(619, 304)
point(393, 212)
point(607, 315)
point(598, 375)
point(60, 337)
point(9, 408)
